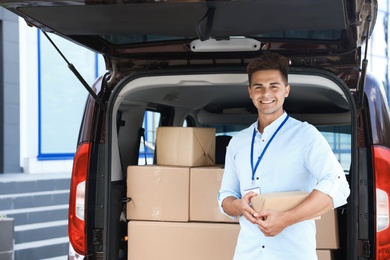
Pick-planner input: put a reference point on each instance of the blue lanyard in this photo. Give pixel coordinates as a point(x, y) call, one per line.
point(265, 148)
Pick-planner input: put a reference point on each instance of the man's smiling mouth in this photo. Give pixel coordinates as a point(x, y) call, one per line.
point(267, 101)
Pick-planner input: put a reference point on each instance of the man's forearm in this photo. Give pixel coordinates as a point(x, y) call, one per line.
point(229, 205)
point(316, 204)
point(240, 207)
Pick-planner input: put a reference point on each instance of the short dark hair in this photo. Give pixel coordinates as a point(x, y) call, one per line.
point(269, 61)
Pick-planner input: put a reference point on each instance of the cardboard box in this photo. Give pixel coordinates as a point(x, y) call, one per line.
point(324, 254)
point(174, 240)
point(327, 227)
point(279, 201)
point(327, 231)
point(205, 183)
point(158, 193)
point(185, 146)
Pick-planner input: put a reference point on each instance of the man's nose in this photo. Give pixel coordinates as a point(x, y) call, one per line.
point(266, 91)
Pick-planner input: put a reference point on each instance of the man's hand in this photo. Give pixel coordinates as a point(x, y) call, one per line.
point(240, 207)
point(271, 222)
point(245, 209)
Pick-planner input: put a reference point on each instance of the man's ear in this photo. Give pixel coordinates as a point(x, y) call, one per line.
point(287, 91)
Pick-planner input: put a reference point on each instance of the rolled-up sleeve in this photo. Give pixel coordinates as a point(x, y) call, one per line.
point(338, 190)
point(329, 173)
point(230, 185)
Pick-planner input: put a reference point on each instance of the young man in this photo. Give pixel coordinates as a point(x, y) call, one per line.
point(278, 153)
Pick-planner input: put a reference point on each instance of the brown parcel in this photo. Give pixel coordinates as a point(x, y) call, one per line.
point(327, 228)
point(149, 240)
point(158, 193)
point(205, 183)
point(279, 201)
point(324, 254)
point(185, 146)
point(327, 231)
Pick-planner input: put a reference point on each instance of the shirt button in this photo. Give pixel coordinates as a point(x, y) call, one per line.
point(263, 246)
point(262, 140)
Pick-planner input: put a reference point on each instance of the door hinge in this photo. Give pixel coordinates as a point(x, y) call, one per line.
point(97, 236)
point(364, 248)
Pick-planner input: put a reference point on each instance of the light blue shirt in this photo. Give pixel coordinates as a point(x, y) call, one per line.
point(298, 159)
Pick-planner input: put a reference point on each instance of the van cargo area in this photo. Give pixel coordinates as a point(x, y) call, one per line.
point(172, 210)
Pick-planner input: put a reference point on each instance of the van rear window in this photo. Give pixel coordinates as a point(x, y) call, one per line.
point(325, 35)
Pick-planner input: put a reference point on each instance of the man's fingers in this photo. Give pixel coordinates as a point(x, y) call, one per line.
point(262, 215)
point(248, 213)
point(248, 196)
point(251, 218)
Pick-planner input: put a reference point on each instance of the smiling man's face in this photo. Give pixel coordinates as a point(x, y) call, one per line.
point(268, 91)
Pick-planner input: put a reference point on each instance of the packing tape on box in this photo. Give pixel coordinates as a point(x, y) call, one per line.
point(156, 176)
point(206, 154)
point(156, 212)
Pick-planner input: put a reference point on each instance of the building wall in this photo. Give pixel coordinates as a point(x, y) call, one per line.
point(9, 106)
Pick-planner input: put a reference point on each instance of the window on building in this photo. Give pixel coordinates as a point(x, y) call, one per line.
point(61, 96)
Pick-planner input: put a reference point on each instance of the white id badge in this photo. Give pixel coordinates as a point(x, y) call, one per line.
point(254, 189)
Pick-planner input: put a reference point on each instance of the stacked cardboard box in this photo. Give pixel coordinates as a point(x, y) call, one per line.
point(168, 193)
point(173, 204)
point(177, 240)
point(173, 210)
point(185, 146)
point(158, 193)
point(324, 254)
point(327, 231)
point(205, 183)
point(167, 198)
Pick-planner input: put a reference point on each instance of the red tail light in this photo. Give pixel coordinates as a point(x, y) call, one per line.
point(382, 181)
point(76, 225)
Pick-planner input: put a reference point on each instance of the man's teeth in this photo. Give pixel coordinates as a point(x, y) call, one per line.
point(267, 102)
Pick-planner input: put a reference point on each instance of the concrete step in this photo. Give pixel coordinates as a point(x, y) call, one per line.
point(24, 183)
point(28, 216)
point(64, 257)
point(42, 249)
point(42, 234)
point(40, 231)
point(38, 205)
point(33, 199)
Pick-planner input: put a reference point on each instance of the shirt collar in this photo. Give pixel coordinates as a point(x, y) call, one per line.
point(273, 126)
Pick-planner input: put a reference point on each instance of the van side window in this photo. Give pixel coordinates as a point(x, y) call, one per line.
point(148, 141)
point(189, 122)
point(339, 139)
